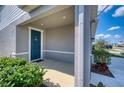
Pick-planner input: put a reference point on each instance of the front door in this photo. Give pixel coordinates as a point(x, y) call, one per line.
point(35, 45)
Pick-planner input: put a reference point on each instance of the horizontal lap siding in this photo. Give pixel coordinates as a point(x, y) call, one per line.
point(7, 41)
point(9, 14)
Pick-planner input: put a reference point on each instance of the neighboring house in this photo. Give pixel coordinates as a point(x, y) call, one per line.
point(36, 32)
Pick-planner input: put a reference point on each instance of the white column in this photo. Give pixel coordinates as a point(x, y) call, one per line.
point(82, 46)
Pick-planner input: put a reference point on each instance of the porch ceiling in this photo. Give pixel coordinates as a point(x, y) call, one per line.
point(94, 20)
point(28, 8)
point(61, 18)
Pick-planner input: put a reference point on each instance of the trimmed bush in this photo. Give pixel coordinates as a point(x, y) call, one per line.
point(100, 84)
point(122, 53)
point(15, 72)
point(101, 43)
point(101, 56)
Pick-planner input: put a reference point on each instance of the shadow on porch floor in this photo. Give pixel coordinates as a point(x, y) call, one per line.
point(59, 74)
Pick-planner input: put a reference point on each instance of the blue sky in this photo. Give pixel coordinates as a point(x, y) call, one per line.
point(111, 24)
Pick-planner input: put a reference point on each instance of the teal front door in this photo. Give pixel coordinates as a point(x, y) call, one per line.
point(35, 45)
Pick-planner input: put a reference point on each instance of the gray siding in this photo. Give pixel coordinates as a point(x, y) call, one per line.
point(9, 14)
point(57, 39)
point(7, 40)
point(60, 57)
point(22, 39)
point(15, 38)
point(60, 39)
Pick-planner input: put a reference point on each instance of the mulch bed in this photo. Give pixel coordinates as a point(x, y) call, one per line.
point(100, 70)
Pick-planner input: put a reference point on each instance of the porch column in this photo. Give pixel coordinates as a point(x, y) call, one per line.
point(82, 46)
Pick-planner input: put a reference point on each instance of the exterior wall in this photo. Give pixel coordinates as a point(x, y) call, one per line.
point(12, 16)
point(14, 38)
point(9, 14)
point(52, 41)
point(23, 56)
point(60, 43)
point(22, 41)
point(7, 41)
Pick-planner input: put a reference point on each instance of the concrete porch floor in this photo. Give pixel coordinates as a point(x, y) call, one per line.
point(59, 74)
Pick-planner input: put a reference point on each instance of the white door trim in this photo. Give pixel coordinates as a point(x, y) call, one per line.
point(40, 30)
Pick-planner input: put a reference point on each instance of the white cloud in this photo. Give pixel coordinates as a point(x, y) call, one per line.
point(117, 36)
point(107, 36)
point(109, 8)
point(103, 36)
point(113, 28)
point(119, 12)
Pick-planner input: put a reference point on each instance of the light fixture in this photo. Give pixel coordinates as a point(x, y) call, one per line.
point(64, 17)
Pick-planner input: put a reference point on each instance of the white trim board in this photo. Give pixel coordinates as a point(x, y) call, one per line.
point(32, 28)
point(22, 53)
point(36, 59)
point(63, 52)
point(13, 54)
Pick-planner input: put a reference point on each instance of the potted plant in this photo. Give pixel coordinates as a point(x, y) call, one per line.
point(101, 57)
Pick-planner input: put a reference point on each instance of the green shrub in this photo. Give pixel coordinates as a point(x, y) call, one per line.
point(101, 43)
point(117, 55)
point(122, 53)
point(15, 72)
point(101, 56)
point(100, 84)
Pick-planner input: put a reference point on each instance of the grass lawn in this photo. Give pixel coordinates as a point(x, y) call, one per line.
point(115, 54)
point(114, 50)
